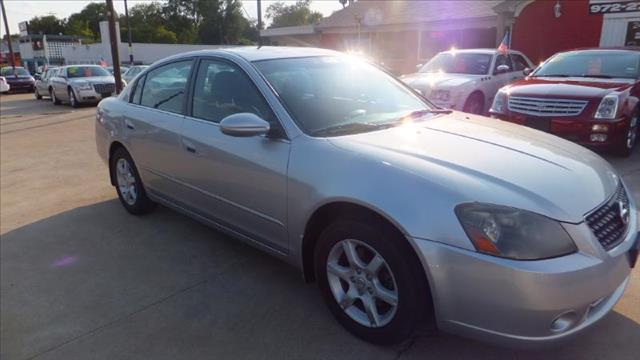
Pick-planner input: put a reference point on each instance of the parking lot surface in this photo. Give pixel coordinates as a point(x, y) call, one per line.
point(82, 279)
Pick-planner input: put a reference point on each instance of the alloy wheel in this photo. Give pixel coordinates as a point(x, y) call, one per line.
point(362, 283)
point(126, 181)
point(72, 98)
point(632, 134)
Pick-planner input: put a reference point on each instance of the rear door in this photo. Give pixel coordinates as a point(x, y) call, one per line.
point(240, 182)
point(153, 122)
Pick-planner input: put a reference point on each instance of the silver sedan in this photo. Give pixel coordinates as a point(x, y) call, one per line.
point(406, 215)
point(81, 84)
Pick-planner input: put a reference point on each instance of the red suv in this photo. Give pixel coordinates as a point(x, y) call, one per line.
point(588, 96)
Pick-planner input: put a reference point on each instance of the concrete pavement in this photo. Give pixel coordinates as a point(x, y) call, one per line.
point(82, 279)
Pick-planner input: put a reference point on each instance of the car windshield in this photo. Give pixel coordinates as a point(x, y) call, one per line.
point(597, 64)
point(86, 71)
point(458, 63)
point(8, 71)
point(330, 95)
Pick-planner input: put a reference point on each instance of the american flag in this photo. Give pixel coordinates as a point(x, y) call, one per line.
point(504, 45)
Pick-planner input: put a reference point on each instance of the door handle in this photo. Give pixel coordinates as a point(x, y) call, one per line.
point(189, 146)
point(129, 125)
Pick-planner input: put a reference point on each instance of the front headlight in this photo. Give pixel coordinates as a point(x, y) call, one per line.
point(513, 233)
point(607, 108)
point(499, 102)
point(441, 95)
point(83, 86)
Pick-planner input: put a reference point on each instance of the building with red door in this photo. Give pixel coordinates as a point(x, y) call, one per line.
point(401, 34)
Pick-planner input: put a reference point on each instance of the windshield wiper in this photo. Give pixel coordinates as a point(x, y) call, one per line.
point(350, 128)
point(552, 75)
point(596, 76)
point(419, 113)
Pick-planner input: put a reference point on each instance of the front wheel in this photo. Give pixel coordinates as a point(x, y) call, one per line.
point(128, 184)
point(37, 94)
point(474, 104)
point(369, 281)
point(54, 99)
point(72, 98)
point(631, 137)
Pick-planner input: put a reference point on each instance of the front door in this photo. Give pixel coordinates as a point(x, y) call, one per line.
point(239, 182)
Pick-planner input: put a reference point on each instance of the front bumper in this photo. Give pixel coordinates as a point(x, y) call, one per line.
point(90, 96)
point(515, 303)
point(21, 85)
point(580, 130)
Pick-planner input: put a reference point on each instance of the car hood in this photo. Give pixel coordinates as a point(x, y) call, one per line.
point(437, 80)
point(568, 87)
point(480, 159)
point(93, 79)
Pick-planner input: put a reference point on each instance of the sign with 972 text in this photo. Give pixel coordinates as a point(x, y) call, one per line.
point(614, 7)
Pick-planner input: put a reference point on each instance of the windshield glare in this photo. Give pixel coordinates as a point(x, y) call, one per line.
point(86, 71)
point(8, 71)
point(324, 92)
point(620, 64)
point(458, 63)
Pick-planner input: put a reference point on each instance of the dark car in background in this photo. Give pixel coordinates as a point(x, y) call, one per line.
point(18, 78)
point(587, 96)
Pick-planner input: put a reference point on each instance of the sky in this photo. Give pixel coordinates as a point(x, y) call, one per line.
point(21, 10)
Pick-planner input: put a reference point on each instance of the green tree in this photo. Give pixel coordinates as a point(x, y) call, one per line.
point(48, 24)
point(222, 22)
point(91, 15)
point(147, 23)
point(296, 14)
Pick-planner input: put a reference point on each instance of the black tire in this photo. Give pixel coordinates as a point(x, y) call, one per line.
point(142, 204)
point(36, 93)
point(626, 147)
point(414, 306)
point(474, 104)
point(73, 101)
point(54, 99)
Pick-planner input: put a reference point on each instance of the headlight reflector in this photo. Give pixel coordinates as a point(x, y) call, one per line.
point(608, 107)
point(498, 102)
point(513, 233)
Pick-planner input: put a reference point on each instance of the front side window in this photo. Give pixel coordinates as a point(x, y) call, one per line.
point(458, 63)
point(165, 86)
point(502, 60)
point(86, 71)
point(138, 91)
point(222, 89)
point(331, 95)
point(519, 63)
point(595, 63)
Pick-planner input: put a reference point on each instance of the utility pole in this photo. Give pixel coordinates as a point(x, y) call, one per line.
point(259, 23)
point(6, 28)
point(115, 56)
point(126, 15)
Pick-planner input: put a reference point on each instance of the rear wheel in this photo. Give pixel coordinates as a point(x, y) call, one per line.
point(128, 183)
point(54, 99)
point(369, 282)
point(474, 104)
point(631, 137)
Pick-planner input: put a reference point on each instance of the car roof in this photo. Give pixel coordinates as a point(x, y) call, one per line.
point(254, 53)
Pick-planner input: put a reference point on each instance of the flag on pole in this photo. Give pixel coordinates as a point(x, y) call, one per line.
point(504, 45)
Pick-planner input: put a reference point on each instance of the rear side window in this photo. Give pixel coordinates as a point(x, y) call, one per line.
point(164, 87)
point(502, 60)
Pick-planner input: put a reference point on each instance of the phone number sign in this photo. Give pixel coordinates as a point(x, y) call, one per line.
point(614, 7)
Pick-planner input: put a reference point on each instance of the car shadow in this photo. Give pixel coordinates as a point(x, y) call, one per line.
point(97, 282)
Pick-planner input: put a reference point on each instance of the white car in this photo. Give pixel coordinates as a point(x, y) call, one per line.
point(468, 79)
point(4, 86)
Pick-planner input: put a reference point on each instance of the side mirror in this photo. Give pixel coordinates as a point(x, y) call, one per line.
point(502, 69)
point(244, 125)
point(419, 66)
point(527, 71)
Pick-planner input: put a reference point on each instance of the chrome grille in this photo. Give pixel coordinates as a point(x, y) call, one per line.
point(546, 107)
point(104, 88)
point(606, 222)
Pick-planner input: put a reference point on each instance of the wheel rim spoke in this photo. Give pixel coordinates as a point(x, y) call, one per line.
point(386, 295)
point(339, 271)
point(352, 256)
point(372, 312)
point(375, 264)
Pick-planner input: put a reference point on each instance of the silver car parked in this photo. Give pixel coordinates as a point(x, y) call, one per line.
point(403, 213)
point(42, 82)
point(79, 84)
